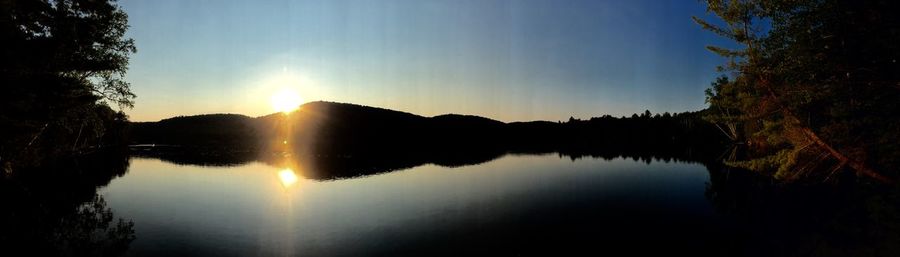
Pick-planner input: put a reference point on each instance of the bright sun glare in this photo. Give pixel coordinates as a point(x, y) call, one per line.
point(287, 177)
point(286, 100)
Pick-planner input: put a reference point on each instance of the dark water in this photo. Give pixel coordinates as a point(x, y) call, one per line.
point(514, 205)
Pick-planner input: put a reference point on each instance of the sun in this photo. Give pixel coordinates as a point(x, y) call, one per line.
point(286, 100)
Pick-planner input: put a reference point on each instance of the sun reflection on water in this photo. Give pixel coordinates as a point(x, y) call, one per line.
point(288, 177)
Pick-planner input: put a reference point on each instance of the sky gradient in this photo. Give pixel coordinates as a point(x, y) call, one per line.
point(506, 60)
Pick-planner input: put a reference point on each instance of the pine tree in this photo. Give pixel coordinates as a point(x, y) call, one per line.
point(814, 85)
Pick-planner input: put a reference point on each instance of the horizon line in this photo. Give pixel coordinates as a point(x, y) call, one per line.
point(378, 107)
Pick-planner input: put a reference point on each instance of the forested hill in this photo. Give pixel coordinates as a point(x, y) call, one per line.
point(348, 129)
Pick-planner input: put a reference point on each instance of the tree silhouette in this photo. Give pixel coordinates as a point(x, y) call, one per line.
point(62, 65)
point(813, 85)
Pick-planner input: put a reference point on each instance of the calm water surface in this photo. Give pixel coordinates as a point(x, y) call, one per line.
point(510, 206)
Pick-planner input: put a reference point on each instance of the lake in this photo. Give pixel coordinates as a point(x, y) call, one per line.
point(506, 205)
point(517, 204)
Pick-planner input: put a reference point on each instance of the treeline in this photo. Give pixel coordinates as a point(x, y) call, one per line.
point(348, 130)
point(639, 133)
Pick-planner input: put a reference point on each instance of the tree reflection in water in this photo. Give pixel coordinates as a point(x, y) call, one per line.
point(56, 211)
point(764, 217)
point(755, 214)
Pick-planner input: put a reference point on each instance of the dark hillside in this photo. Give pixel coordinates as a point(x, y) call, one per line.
point(349, 130)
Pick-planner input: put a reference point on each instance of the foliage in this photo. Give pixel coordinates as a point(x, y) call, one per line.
point(62, 65)
point(814, 85)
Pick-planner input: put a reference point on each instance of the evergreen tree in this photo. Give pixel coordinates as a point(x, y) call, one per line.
point(814, 85)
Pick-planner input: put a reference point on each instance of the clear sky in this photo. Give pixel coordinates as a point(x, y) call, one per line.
point(507, 60)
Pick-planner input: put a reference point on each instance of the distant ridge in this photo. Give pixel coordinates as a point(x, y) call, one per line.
point(337, 140)
point(321, 105)
point(332, 128)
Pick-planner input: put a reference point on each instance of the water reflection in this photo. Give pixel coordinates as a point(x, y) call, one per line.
point(766, 218)
point(287, 177)
point(328, 167)
point(55, 210)
point(514, 204)
point(508, 204)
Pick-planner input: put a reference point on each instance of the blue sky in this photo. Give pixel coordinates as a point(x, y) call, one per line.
point(507, 60)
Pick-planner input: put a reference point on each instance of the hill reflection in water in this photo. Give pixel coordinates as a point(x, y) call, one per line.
point(327, 167)
point(623, 200)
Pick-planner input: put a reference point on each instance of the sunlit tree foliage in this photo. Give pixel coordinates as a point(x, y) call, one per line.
point(814, 87)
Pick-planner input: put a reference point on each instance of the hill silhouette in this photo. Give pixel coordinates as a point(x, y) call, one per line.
point(343, 140)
